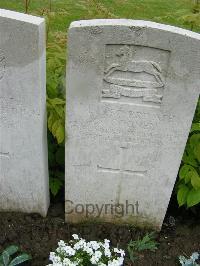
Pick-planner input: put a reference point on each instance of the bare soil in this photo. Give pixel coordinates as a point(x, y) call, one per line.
point(38, 236)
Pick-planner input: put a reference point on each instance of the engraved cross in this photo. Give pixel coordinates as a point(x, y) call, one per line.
point(121, 171)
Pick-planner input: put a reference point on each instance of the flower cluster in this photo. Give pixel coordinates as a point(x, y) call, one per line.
point(190, 261)
point(78, 252)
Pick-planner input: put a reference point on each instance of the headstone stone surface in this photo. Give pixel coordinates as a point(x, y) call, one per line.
point(23, 145)
point(132, 92)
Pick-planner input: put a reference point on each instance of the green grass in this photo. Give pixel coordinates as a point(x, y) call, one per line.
point(65, 11)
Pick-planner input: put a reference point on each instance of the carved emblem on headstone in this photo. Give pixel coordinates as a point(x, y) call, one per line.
point(2, 64)
point(128, 77)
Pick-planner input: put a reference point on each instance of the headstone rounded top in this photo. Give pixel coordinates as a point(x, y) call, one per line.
point(21, 17)
point(134, 23)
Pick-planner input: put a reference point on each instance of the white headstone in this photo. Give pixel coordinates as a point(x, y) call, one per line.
point(23, 141)
point(132, 92)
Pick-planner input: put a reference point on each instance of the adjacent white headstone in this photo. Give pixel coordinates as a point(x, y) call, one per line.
point(23, 140)
point(132, 92)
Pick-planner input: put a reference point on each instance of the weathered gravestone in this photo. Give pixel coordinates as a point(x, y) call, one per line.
point(23, 145)
point(132, 92)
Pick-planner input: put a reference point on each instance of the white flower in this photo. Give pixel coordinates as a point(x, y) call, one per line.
point(195, 256)
point(93, 260)
point(94, 244)
point(80, 244)
point(96, 252)
point(67, 262)
point(61, 243)
point(69, 250)
point(88, 249)
point(106, 247)
point(116, 262)
point(107, 252)
point(120, 261)
point(54, 258)
point(119, 251)
point(96, 257)
point(107, 242)
point(75, 236)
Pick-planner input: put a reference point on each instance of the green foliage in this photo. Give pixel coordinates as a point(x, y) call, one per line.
point(55, 185)
point(189, 261)
point(189, 177)
point(56, 61)
point(146, 243)
point(56, 118)
point(56, 115)
point(188, 187)
point(193, 19)
point(6, 258)
point(56, 165)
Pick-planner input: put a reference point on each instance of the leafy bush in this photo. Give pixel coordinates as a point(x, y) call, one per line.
point(56, 118)
point(146, 243)
point(56, 164)
point(56, 61)
point(80, 252)
point(6, 258)
point(188, 192)
point(188, 186)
